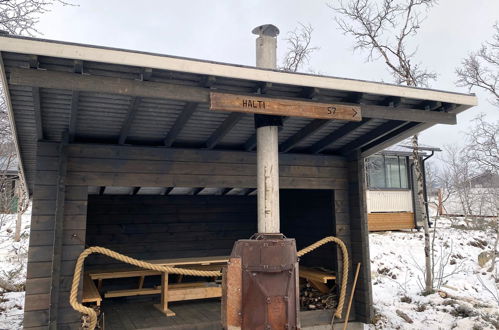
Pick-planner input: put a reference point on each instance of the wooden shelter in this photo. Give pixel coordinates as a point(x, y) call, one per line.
point(119, 149)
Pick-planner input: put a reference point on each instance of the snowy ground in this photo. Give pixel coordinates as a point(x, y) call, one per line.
point(13, 256)
point(397, 260)
point(396, 263)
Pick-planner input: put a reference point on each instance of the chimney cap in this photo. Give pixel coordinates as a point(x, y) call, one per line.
point(266, 30)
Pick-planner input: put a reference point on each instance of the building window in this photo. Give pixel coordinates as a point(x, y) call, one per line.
point(387, 172)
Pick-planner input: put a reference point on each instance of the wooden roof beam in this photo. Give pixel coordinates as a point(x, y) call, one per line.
point(302, 134)
point(75, 99)
point(407, 114)
point(401, 133)
point(224, 129)
point(73, 114)
point(208, 81)
point(371, 136)
point(180, 122)
point(225, 191)
point(249, 191)
point(335, 135)
point(165, 191)
point(111, 85)
point(38, 112)
point(196, 191)
point(127, 124)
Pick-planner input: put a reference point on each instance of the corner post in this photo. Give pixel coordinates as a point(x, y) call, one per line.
point(58, 233)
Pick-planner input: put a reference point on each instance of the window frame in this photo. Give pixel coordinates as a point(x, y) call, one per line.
point(385, 172)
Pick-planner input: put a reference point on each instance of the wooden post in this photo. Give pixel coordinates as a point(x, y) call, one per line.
point(58, 231)
point(267, 140)
point(163, 306)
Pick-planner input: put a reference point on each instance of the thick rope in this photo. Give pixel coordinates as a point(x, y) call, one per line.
point(73, 297)
point(344, 253)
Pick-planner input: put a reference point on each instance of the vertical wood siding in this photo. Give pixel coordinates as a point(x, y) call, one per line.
point(38, 281)
point(389, 201)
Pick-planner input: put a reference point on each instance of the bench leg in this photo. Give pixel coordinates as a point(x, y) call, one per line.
point(163, 306)
point(141, 282)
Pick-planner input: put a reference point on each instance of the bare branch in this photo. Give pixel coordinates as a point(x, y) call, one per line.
point(299, 48)
point(20, 17)
point(481, 69)
point(383, 30)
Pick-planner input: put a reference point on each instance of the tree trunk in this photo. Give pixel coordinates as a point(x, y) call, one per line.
point(420, 200)
point(494, 251)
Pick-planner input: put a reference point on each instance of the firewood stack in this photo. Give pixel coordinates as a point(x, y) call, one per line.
point(313, 299)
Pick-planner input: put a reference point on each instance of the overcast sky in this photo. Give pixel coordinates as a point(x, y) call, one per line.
point(221, 31)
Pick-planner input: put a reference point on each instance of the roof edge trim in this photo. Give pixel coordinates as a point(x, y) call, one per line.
point(140, 59)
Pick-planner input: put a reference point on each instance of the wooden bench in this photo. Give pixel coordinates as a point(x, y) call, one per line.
point(90, 292)
point(169, 292)
point(188, 291)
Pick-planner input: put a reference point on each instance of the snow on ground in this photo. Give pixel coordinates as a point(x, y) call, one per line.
point(13, 257)
point(397, 263)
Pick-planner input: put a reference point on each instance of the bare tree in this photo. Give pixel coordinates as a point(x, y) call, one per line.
point(21, 16)
point(18, 17)
point(299, 48)
point(384, 29)
point(483, 151)
point(481, 69)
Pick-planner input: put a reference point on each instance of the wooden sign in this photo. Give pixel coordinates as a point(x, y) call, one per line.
point(283, 107)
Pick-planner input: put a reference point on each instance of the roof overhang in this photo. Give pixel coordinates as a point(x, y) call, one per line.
point(107, 95)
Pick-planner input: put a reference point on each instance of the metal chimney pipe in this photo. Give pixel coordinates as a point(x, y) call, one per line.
point(267, 140)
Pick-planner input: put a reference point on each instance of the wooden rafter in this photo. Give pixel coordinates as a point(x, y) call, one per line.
point(166, 191)
point(335, 135)
point(302, 134)
point(127, 124)
point(38, 112)
point(73, 114)
point(180, 122)
point(100, 84)
point(224, 129)
point(196, 191)
point(225, 191)
point(377, 133)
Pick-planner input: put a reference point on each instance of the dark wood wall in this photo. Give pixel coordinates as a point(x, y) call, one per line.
point(104, 165)
point(41, 261)
point(159, 227)
point(308, 216)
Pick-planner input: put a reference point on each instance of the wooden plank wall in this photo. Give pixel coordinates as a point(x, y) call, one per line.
point(101, 165)
point(307, 216)
point(159, 227)
point(38, 282)
point(359, 238)
point(391, 221)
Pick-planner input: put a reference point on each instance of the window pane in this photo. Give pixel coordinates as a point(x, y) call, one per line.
point(403, 173)
point(392, 172)
point(375, 172)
